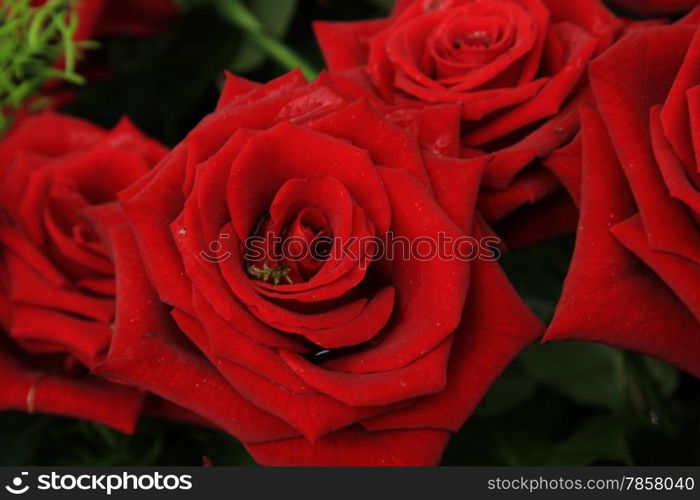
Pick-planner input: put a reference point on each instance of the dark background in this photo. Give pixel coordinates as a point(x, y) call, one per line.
point(558, 404)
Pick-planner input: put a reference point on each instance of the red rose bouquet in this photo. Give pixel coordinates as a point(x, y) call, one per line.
point(313, 268)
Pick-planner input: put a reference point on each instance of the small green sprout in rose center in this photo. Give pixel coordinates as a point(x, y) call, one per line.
point(273, 274)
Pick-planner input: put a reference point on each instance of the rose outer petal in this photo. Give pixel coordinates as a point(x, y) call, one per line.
point(28, 388)
point(148, 352)
point(625, 103)
point(605, 281)
point(356, 447)
point(495, 328)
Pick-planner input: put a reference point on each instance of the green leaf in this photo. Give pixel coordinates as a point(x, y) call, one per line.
point(275, 15)
point(650, 383)
point(32, 38)
point(164, 104)
point(666, 376)
point(386, 5)
point(600, 439)
point(20, 437)
point(538, 271)
point(586, 373)
point(248, 57)
point(525, 435)
point(509, 391)
point(238, 14)
point(49, 440)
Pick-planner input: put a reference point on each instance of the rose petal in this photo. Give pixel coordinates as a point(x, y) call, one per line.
point(148, 352)
point(344, 45)
point(430, 293)
point(29, 389)
point(604, 279)
point(624, 102)
point(356, 447)
point(288, 152)
point(427, 375)
point(495, 328)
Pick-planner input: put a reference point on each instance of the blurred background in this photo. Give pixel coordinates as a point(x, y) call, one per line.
point(558, 404)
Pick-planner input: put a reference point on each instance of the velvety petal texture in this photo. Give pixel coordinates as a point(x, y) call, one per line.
point(294, 273)
point(635, 276)
point(516, 70)
point(59, 177)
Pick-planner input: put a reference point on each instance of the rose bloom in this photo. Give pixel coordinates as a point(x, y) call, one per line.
point(654, 8)
point(101, 18)
point(347, 360)
point(58, 182)
point(126, 17)
point(515, 69)
point(635, 274)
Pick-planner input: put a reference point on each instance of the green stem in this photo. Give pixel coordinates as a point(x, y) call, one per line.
point(237, 13)
point(652, 397)
point(32, 40)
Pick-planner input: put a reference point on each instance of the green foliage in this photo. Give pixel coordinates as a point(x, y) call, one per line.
point(41, 440)
point(32, 41)
point(165, 84)
point(384, 4)
point(259, 30)
point(543, 412)
point(273, 274)
point(538, 272)
point(588, 374)
point(598, 439)
point(575, 403)
point(275, 17)
point(263, 23)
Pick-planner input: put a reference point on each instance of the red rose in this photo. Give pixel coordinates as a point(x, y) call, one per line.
point(58, 182)
point(654, 8)
point(635, 275)
point(516, 68)
point(100, 18)
point(336, 357)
